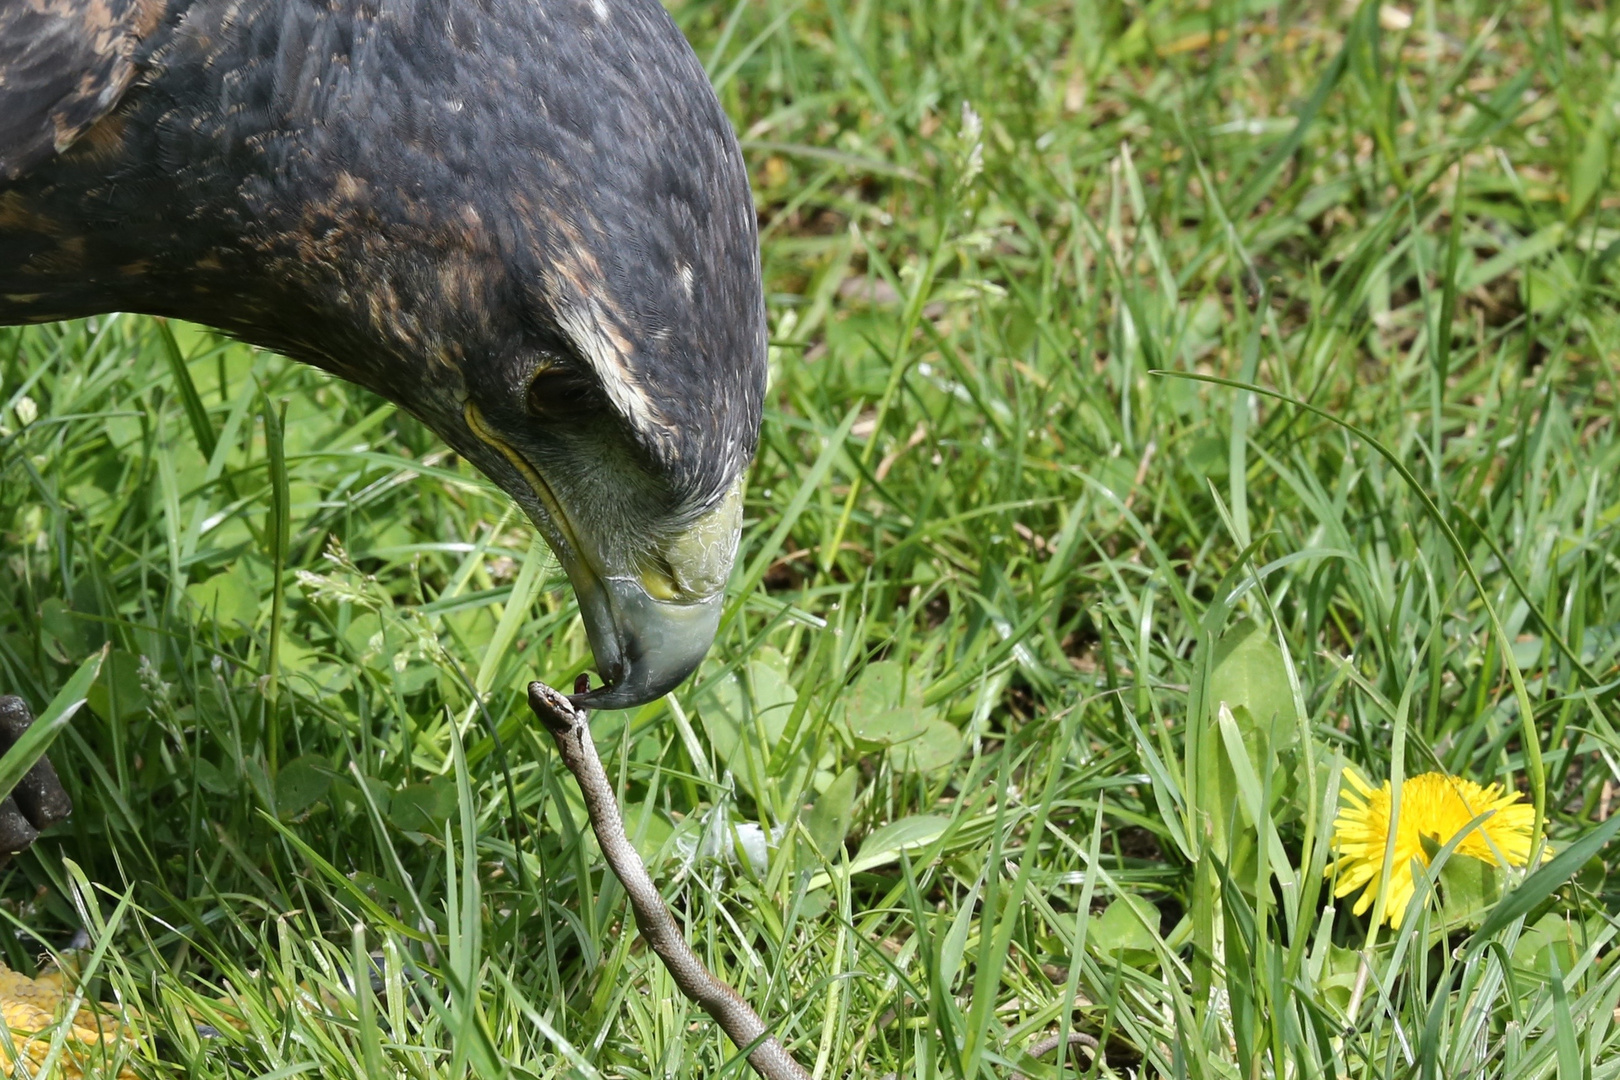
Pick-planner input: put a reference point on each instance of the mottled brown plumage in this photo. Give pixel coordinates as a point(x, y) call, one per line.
point(527, 223)
point(64, 64)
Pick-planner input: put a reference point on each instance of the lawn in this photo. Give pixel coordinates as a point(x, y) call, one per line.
point(1046, 656)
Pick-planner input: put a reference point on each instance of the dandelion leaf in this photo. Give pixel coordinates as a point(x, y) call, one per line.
point(117, 693)
point(1248, 674)
point(1468, 888)
point(883, 713)
point(228, 601)
point(828, 820)
point(876, 712)
point(423, 808)
point(301, 784)
point(1557, 933)
point(1248, 677)
point(746, 719)
point(1124, 930)
point(61, 631)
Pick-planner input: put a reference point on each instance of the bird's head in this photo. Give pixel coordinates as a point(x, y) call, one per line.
point(554, 262)
point(527, 223)
point(646, 544)
point(627, 448)
point(615, 383)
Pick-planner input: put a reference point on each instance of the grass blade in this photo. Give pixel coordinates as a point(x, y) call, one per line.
point(36, 741)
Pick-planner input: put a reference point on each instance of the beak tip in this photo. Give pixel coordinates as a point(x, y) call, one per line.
point(644, 647)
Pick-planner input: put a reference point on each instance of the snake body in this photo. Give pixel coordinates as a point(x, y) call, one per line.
point(572, 733)
point(570, 729)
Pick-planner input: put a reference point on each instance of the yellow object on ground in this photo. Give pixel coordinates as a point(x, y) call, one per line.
point(33, 1008)
point(1433, 806)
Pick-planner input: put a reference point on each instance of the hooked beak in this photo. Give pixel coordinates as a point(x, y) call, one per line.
point(644, 647)
point(648, 633)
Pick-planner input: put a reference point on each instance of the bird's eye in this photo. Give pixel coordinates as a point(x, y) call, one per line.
point(556, 393)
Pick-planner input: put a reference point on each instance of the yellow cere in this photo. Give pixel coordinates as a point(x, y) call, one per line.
point(659, 585)
point(1435, 806)
point(701, 556)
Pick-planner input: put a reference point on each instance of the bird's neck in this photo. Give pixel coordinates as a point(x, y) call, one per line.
point(216, 192)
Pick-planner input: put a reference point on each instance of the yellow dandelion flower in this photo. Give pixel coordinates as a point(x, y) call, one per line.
point(1435, 806)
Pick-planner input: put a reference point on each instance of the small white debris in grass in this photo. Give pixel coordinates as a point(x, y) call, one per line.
point(720, 840)
point(1391, 17)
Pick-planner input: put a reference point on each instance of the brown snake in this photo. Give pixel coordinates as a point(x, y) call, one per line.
point(570, 729)
point(572, 733)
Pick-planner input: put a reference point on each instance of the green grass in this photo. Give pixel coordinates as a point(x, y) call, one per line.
point(981, 523)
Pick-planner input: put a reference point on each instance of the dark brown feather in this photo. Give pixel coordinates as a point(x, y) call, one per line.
point(64, 64)
point(527, 223)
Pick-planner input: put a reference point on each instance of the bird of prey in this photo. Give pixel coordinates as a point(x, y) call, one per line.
point(525, 222)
